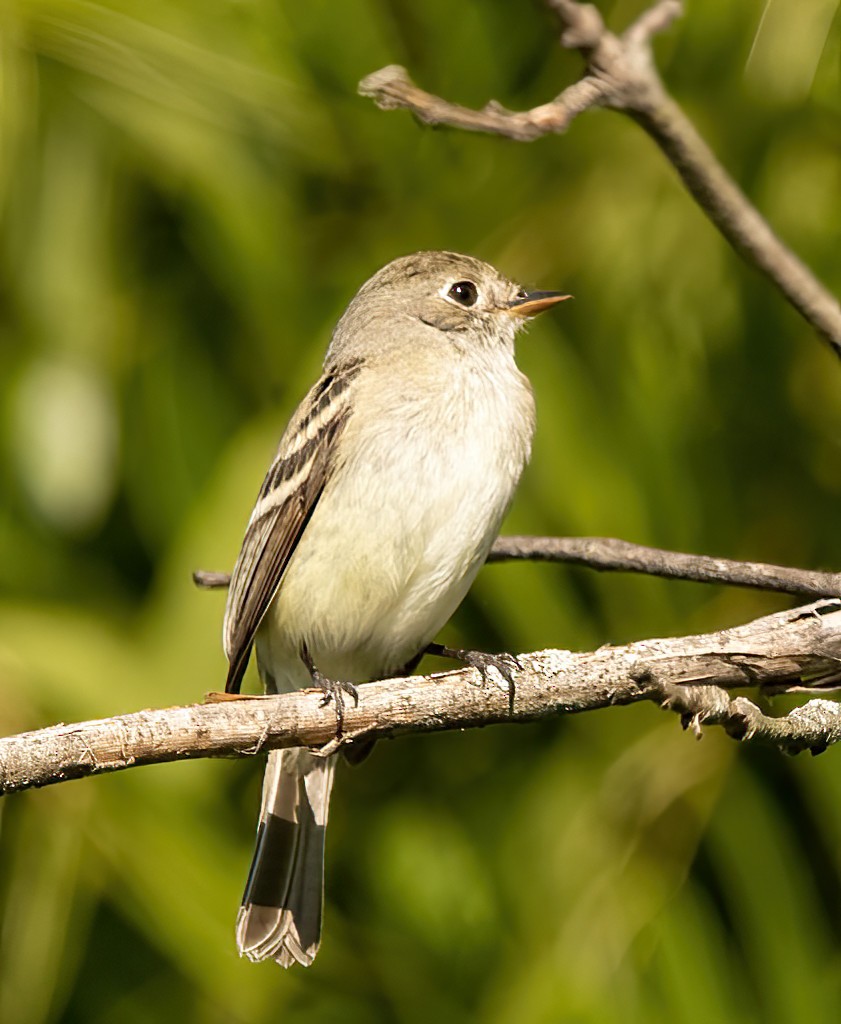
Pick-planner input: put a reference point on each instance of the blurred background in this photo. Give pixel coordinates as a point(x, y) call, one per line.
point(190, 193)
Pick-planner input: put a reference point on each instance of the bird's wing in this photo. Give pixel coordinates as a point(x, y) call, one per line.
point(293, 485)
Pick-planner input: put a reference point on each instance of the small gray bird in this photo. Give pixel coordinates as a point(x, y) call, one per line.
point(388, 488)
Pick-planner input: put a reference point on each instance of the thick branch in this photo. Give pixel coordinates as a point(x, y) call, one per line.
point(609, 554)
point(620, 74)
point(690, 675)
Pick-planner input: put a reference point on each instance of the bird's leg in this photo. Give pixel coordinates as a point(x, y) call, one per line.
point(333, 689)
point(505, 664)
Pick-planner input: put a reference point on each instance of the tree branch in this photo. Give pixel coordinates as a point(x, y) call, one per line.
point(792, 651)
point(607, 554)
point(620, 74)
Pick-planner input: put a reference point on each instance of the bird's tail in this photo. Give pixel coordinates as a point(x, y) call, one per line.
point(280, 916)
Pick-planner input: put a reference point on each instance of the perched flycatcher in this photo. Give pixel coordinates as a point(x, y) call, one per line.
point(388, 488)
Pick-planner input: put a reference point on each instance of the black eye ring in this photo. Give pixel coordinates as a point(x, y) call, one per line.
point(465, 293)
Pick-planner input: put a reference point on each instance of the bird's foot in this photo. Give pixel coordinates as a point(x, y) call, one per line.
point(491, 667)
point(332, 689)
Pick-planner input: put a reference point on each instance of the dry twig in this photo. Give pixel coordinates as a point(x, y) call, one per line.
point(620, 74)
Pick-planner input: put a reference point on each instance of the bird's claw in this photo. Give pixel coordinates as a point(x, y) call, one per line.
point(504, 665)
point(331, 689)
point(334, 690)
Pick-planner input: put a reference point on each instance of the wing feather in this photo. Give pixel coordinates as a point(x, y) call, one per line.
point(290, 493)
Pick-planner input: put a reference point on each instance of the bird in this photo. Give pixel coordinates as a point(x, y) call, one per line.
point(387, 490)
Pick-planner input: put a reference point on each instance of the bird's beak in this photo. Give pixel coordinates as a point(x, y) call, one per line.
point(534, 303)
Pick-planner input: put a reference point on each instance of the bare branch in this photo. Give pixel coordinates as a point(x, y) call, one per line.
point(740, 223)
point(690, 675)
point(391, 88)
point(609, 554)
point(620, 74)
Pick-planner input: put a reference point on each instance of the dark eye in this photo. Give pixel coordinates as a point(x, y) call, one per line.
point(464, 292)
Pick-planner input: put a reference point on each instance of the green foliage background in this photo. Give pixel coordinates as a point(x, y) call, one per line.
point(190, 192)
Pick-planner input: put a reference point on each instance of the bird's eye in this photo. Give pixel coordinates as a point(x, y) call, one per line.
point(464, 292)
point(521, 295)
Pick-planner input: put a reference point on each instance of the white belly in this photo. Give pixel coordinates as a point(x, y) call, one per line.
point(400, 531)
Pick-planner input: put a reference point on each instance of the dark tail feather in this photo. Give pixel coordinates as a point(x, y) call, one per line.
point(280, 916)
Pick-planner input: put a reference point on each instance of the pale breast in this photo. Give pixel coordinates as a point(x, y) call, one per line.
point(425, 479)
